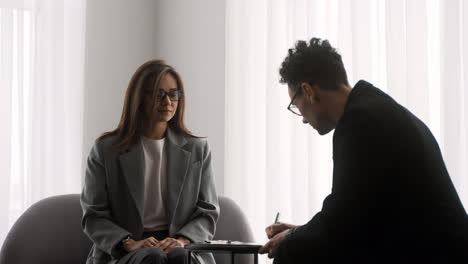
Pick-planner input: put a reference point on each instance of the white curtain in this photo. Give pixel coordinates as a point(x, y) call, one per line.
point(415, 50)
point(41, 91)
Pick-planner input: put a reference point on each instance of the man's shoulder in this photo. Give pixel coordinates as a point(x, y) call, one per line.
point(372, 111)
point(368, 101)
point(368, 98)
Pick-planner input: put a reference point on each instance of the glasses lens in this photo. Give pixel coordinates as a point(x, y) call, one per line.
point(174, 95)
point(160, 94)
point(295, 111)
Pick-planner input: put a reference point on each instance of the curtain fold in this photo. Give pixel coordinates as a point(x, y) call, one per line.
point(415, 50)
point(42, 77)
point(453, 103)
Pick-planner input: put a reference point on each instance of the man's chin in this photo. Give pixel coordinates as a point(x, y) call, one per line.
point(323, 131)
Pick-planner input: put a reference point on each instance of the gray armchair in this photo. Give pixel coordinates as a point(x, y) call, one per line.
point(50, 232)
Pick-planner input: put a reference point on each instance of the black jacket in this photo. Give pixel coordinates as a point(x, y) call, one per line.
point(391, 195)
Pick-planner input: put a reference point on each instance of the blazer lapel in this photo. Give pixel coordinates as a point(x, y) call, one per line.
point(132, 163)
point(177, 164)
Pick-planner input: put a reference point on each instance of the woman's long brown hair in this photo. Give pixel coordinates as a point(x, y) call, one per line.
point(130, 126)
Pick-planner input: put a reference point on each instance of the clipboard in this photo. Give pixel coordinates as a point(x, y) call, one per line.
point(225, 245)
point(232, 247)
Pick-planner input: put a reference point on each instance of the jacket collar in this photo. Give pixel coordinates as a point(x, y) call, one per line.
point(362, 88)
point(175, 138)
point(178, 162)
point(132, 163)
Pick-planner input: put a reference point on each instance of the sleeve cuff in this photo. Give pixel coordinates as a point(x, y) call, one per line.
point(291, 231)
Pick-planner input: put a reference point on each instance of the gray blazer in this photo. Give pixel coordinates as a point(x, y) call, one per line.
point(112, 196)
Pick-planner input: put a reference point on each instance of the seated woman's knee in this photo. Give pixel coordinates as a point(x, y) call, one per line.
point(153, 255)
point(177, 256)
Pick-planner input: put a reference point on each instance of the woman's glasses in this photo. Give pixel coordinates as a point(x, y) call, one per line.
point(173, 94)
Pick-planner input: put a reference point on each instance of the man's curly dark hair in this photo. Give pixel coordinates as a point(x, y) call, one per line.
point(315, 62)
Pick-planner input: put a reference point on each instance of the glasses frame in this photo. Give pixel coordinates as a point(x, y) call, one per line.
point(164, 94)
point(292, 106)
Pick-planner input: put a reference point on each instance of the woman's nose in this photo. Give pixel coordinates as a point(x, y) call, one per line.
point(165, 100)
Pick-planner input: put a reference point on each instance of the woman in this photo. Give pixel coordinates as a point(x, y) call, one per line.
point(149, 187)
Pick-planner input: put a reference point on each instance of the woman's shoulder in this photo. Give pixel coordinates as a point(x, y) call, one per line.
point(186, 138)
point(198, 146)
point(197, 142)
point(105, 144)
point(105, 140)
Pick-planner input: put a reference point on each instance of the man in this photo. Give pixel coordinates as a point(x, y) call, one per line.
point(392, 198)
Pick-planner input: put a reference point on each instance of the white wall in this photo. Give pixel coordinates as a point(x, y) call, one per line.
point(192, 40)
point(121, 35)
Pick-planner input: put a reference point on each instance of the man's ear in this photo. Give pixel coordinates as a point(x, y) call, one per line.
point(310, 92)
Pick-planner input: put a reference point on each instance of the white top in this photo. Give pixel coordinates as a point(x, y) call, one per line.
point(155, 216)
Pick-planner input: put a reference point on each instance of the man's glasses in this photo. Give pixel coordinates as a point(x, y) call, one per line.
point(292, 107)
point(174, 95)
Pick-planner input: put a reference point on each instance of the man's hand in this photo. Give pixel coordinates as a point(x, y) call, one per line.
point(274, 229)
point(271, 246)
point(131, 245)
point(170, 243)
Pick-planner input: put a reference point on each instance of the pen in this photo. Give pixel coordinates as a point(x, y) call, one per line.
point(277, 218)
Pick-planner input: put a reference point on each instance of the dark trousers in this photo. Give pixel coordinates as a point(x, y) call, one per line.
point(308, 248)
point(155, 255)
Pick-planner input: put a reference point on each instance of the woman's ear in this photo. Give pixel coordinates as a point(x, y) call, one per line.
point(310, 92)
